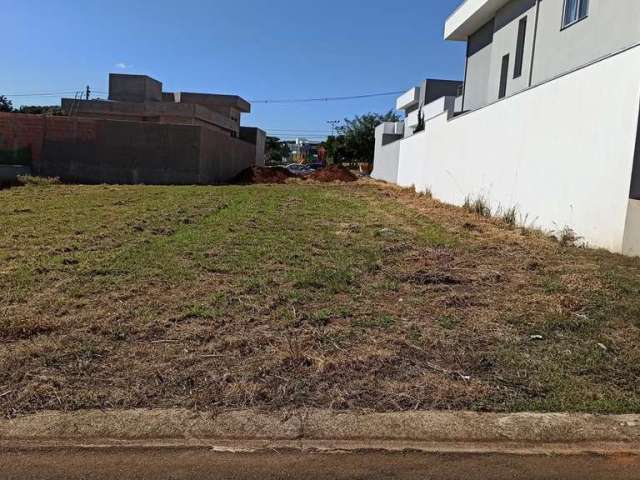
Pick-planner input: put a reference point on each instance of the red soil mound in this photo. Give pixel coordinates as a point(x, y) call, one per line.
point(333, 173)
point(263, 175)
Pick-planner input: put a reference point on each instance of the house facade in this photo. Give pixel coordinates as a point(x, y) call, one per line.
point(515, 44)
point(546, 121)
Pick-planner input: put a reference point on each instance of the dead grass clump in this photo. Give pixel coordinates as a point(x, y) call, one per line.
point(34, 181)
point(510, 217)
point(568, 237)
point(479, 206)
point(433, 278)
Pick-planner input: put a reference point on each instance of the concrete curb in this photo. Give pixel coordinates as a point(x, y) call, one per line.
point(244, 431)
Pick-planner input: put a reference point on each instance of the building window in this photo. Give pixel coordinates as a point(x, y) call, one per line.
point(574, 11)
point(522, 33)
point(504, 75)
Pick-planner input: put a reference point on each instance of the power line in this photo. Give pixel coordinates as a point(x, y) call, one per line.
point(47, 94)
point(328, 99)
point(285, 130)
point(278, 101)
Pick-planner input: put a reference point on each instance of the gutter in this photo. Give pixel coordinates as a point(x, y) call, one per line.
point(317, 444)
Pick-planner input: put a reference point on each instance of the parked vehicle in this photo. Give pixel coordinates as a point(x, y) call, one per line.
point(298, 169)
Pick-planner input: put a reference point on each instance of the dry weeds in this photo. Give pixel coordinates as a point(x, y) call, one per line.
point(358, 296)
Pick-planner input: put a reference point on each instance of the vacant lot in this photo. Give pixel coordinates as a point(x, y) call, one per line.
point(342, 296)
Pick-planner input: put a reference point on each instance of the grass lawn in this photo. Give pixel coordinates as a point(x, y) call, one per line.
point(355, 296)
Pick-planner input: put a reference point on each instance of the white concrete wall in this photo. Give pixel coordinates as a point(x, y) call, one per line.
point(408, 99)
point(562, 152)
point(387, 157)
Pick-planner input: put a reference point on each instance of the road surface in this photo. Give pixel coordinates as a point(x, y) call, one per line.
point(199, 464)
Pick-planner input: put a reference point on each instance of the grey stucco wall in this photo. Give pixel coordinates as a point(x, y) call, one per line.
point(478, 68)
point(433, 89)
point(611, 26)
point(505, 40)
point(635, 175)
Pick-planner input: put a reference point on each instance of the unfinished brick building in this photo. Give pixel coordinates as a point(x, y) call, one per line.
point(140, 135)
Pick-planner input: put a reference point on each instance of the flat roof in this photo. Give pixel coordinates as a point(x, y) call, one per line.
point(469, 17)
point(215, 99)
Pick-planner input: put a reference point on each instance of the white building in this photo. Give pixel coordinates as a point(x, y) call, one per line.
point(547, 121)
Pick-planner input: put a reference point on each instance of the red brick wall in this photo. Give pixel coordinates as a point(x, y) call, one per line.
point(19, 131)
point(22, 131)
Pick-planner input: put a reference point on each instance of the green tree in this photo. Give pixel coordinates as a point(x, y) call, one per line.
point(359, 135)
point(40, 109)
point(5, 104)
point(336, 150)
point(276, 150)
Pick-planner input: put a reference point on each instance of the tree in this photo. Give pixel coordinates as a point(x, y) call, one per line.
point(5, 104)
point(359, 135)
point(336, 151)
point(39, 110)
point(276, 150)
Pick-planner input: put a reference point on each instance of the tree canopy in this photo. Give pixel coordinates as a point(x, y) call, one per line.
point(5, 104)
point(356, 138)
point(41, 109)
point(276, 150)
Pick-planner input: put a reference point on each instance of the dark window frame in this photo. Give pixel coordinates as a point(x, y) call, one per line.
point(522, 38)
point(504, 77)
point(582, 12)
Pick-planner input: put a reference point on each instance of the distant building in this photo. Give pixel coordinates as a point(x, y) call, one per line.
point(303, 150)
point(140, 135)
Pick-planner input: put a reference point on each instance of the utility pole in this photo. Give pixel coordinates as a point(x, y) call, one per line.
point(334, 124)
point(87, 92)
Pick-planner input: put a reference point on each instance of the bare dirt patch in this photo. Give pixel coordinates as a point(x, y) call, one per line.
point(333, 173)
point(254, 175)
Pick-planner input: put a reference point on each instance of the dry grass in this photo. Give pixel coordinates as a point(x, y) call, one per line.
point(348, 297)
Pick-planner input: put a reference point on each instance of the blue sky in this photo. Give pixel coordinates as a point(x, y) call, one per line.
point(259, 49)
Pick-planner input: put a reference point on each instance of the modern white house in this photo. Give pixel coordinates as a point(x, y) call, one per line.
point(546, 122)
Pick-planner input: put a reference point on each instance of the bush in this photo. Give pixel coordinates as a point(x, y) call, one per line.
point(29, 180)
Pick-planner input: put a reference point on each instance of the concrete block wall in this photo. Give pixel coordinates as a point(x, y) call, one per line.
point(134, 88)
point(106, 151)
point(222, 157)
point(161, 112)
point(387, 152)
point(256, 137)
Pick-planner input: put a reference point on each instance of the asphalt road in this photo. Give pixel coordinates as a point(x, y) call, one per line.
point(200, 464)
